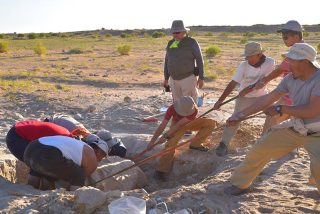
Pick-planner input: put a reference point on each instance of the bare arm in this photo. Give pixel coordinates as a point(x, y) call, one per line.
point(307, 111)
point(230, 87)
point(159, 131)
point(89, 160)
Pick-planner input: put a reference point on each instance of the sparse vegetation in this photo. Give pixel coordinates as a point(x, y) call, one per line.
point(124, 35)
point(124, 49)
point(108, 35)
point(75, 51)
point(208, 34)
point(212, 51)
point(40, 49)
point(306, 34)
point(4, 47)
point(249, 34)
point(32, 36)
point(243, 40)
point(158, 34)
point(318, 47)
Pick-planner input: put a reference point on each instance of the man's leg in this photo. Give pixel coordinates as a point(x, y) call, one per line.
point(312, 145)
point(230, 131)
point(189, 87)
point(175, 89)
point(204, 126)
point(273, 145)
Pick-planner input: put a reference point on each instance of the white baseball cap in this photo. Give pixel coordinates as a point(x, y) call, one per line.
point(301, 51)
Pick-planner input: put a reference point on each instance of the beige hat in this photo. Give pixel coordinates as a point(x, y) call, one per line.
point(178, 26)
point(184, 106)
point(301, 51)
point(252, 48)
point(291, 25)
point(92, 138)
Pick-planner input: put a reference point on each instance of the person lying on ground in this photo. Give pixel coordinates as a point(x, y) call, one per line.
point(180, 113)
point(254, 68)
point(116, 146)
point(64, 158)
point(302, 85)
point(22, 133)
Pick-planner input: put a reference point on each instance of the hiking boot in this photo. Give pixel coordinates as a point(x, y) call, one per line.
point(200, 148)
point(233, 190)
point(222, 149)
point(161, 176)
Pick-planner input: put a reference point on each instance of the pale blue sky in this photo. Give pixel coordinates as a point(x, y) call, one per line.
point(23, 16)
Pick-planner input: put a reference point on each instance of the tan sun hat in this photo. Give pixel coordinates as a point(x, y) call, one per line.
point(252, 48)
point(178, 26)
point(301, 51)
point(184, 106)
point(291, 25)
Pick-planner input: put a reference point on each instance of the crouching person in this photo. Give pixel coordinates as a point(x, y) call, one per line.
point(64, 158)
point(116, 147)
point(182, 112)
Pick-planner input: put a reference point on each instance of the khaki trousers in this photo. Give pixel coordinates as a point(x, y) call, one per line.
point(204, 126)
point(274, 145)
point(230, 131)
point(184, 87)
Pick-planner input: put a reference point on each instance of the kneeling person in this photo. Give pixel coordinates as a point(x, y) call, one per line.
point(64, 158)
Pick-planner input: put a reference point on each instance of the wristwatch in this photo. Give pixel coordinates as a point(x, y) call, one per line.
point(278, 109)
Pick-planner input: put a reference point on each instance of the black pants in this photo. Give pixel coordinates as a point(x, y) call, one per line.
point(49, 161)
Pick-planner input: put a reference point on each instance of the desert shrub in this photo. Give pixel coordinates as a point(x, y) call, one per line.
point(32, 36)
point(192, 33)
point(134, 35)
point(20, 35)
point(318, 47)
point(243, 40)
point(4, 47)
point(212, 50)
point(40, 49)
point(146, 35)
point(63, 35)
point(306, 34)
point(124, 49)
point(108, 35)
point(124, 35)
point(223, 35)
point(75, 51)
point(158, 34)
point(208, 34)
point(249, 34)
point(1, 36)
point(41, 35)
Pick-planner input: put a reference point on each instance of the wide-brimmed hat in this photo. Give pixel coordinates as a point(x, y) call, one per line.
point(107, 137)
point(301, 51)
point(252, 48)
point(94, 139)
point(178, 26)
point(291, 25)
point(184, 106)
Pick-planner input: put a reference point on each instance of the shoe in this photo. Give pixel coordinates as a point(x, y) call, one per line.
point(161, 176)
point(233, 190)
point(201, 148)
point(188, 133)
point(222, 149)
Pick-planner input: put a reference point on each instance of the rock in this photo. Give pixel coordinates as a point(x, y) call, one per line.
point(18, 116)
point(12, 169)
point(91, 108)
point(88, 199)
point(128, 180)
point(78, 116)
point(58, 86)
point(127, 99)
point(31, 211)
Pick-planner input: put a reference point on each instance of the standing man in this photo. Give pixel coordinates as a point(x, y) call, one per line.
point(180, 72)
point(292, 33)
point(302, 85)
point(256, 66)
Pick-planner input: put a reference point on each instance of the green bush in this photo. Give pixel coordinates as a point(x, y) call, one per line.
point(108, 35)
point(41, 35)
point(158, 34)
point(124, 49)
point(75, 51)
point(1, 36)
point(124, 35)
point(212, 50)
point(249, 34)
point(146, 35)
point(223, 35)
point(32, 35)
point(318, 47)
point(4, 47)
point(306, 34)
point(40, 49)
point(192, 34)
point(20, 35)
point(208, 34)
point(243, 40)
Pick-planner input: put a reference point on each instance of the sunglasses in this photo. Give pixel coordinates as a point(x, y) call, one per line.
point(176, 33)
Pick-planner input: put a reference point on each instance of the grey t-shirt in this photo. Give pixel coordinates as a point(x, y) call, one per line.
point(301, 91)
point(65, 121)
